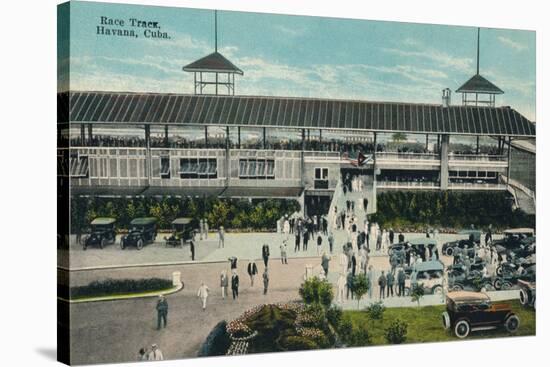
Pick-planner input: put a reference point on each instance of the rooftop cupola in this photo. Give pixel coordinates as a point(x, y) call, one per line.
point(214, 73)
point(478, 90)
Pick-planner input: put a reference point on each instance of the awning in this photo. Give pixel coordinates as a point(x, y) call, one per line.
point(261, 192)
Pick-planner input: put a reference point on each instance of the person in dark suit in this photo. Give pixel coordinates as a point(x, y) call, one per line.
point(252, 270)
point(382, 284)
point(297, 241)
point(192, 248)
point(365, 204)
point(353, 264)
point(391, 236)
point(235, 285)
point(401, 238)
point(306, 239)
point(265, 253)
point(162, 311)
point(233, 261)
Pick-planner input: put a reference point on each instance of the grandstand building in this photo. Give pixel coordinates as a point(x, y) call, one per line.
point(214, 142)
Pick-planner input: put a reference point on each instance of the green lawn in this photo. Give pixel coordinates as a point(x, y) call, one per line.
point(424, 324)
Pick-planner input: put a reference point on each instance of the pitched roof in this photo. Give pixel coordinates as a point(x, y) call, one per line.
point(478, 84)
point(215, 62)
point(159, 108)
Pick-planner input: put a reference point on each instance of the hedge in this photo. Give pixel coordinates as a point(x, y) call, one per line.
point(231, 213)
point(407, 210)
point(217, 342)
point(111, 287)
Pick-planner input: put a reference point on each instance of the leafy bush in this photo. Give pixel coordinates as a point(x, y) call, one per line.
point(296, 342)
point(317, 291)
point(402, 210)
point(334, 315)
point(217, 342)
point(111, 287)
point(232, 213)
point(396, 332)
point(345, 329)
point(375, 311)
point(417, 292)
point(360, 337)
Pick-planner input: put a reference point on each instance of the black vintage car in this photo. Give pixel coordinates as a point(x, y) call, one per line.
point(472, 282)
point(182, 232)
point(102, 233)
point(516, 240)
point(419, 246)
point(474, 311)
point(473, 237)
point(142, 231)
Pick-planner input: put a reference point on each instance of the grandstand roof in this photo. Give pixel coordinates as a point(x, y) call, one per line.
point(285, 112)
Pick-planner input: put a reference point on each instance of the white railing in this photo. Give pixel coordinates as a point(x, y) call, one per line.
point(407, 184)
point(476, 186)
point(399, 156)
point(477, 157)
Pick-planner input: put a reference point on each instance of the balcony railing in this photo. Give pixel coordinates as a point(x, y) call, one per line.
point(478, 157)
point(407, 184)
point(476, 186)
point(400, 156)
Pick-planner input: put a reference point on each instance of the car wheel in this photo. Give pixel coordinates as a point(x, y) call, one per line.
point(506, 286)
point(446, 320)
point(457, 287)
point(499, 270)
point(512, 323)
point(462, 329)
point(102, 243)
point(139, 244)
point(449, 251)
point(498, 284)
point(122, 244)
point(523, 297)
point(437, 290)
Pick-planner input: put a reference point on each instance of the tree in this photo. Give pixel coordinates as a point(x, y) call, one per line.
point(316, 291)
point(396, 333)
point(417, 292)
point(360, 286)
point(397, 137)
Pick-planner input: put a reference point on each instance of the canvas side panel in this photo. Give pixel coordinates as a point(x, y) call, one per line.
point(63, 182)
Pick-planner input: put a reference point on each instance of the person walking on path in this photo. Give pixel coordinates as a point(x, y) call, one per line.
point(235, 284)
point(382, 284)
point(265, 253)
point(265, 277)
point(401, 238)
point(343, 262)
point(155, 354)
point(325, 259)
point(297, 241)
point(224, 282)
point(203, 294)
point(192, 249)
point(353, 263)
point(284, 259)
point(319, 244)
point(221, 237)
point(349, 285)
point(201, 229)
point(401, 283)
point(341, 288)
point(370, 279)
point(233, 261)
point(306, 239)
point(252, 270)
point(330, 242)
point(162, 311)
point(286, 227)
point(390, 280)
point(391, 236)
point(143, 355)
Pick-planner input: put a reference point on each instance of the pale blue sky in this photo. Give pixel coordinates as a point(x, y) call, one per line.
point(301, 56)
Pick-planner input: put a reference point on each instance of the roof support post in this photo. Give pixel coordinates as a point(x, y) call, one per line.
point(205, 136)
point(302, 162)
point(227, 157)
point(509, 161)
point(477, 144)
point(238, 137)
point(90, 134)
point(374, 174)
point(148, 159)
point(166, 141)
point(444, 168)
point(427, 140)
point(264, 142)
point(82, 135)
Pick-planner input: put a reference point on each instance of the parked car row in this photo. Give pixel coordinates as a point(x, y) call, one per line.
point(142, 231)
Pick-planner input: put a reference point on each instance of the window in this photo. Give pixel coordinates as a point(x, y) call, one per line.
point(257, 168)
point(79, 166)
point(198, 168)
point(164, 167)
point(321, 178)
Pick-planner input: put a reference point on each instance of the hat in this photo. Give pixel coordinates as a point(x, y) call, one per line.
point(154, 346)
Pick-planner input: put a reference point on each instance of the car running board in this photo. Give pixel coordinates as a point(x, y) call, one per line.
point(483, 328)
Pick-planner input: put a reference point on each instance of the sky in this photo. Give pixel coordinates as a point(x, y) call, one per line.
point(285, 55)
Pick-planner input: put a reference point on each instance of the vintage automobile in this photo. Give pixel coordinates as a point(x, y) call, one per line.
point(142, 231)
point(182, 232)
point(517, 239)
point(511, 281)
point(474, 311)
point(427, 273)
point(416, 245)
point(527, 293)
point(473, 236)
point(102, 233)
point(473, 282)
